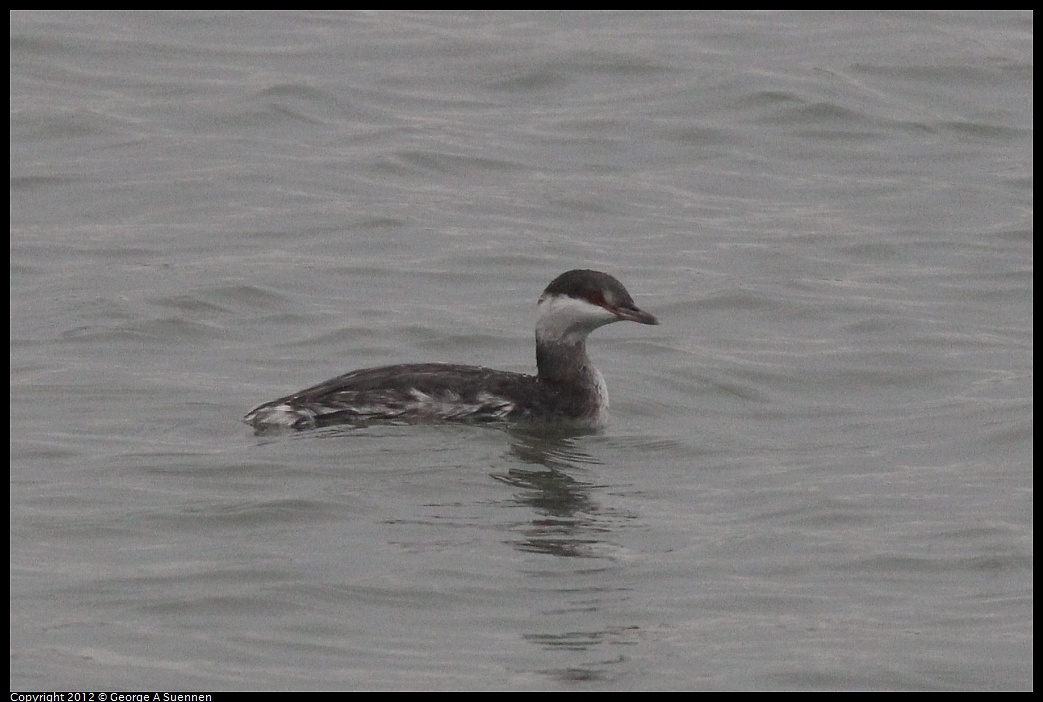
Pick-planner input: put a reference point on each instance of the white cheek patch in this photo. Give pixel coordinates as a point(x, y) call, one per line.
point(569, 319)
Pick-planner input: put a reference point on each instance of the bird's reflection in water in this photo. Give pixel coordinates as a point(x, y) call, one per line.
point(554, 480)
point(566, 517)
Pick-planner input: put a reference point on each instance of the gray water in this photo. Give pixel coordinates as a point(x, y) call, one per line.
point(818, 471)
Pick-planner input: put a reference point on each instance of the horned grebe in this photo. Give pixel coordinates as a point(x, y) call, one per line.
point(566, 387)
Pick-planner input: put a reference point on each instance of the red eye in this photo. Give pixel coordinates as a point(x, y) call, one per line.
point(596, 298)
